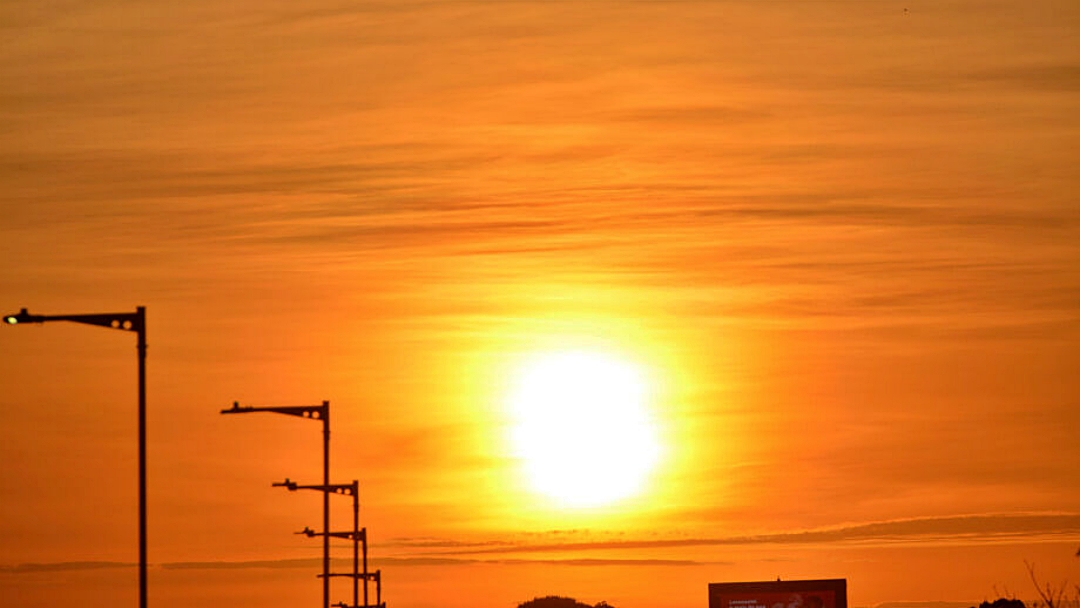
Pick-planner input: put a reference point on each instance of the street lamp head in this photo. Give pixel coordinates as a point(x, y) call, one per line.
point(23, 317)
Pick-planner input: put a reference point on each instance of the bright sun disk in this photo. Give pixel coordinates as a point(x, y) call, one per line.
point(582, 428)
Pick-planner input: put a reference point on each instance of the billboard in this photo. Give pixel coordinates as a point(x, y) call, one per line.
point(829, 593)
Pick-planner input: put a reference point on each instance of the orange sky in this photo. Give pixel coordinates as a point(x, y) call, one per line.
point(842, 240)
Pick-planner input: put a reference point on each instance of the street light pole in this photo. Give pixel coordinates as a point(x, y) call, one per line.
point(326, 503)
point(315, 412)
point(125, 321)
point(141, 312)
point(358, 535)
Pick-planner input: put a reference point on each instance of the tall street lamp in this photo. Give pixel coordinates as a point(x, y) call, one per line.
point(312, 412)
point(126, 321)
point(358, 535)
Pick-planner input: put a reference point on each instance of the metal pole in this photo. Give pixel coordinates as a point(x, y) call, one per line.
point(356, 544)
point(365, 569)
point(125, 321)
point(141, 312)
point(326, 506)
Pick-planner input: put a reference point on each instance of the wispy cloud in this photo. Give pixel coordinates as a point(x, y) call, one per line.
point(572, 551)
point(62, 566)
point(959, 529)
point(342, 564)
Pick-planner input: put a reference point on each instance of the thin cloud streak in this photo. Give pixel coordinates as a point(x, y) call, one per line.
point(960, 529)
point(339, 563)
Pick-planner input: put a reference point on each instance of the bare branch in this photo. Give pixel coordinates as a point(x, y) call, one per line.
point(1049, 596)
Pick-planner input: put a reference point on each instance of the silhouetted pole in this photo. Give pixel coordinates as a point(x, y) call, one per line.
point(356, 543)
point(320, 412)
point(356, 535)
point(125, 321)
point(141, 312)
point(326, 506)
point(365, 569)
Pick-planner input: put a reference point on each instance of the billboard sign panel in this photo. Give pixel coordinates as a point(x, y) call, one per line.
point(828, 593)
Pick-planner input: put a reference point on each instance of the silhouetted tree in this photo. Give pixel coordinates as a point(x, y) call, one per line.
point(555, 601)
point(1050, 596)
point(1002, 602)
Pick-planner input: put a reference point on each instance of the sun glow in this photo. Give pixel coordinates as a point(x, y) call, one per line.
point(582, 428)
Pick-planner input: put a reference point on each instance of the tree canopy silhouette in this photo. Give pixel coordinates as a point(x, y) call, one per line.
point(555, 601)
point(1003, 603)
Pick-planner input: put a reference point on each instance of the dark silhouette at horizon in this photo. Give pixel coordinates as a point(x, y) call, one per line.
point(1002, 602)
point(556, 601)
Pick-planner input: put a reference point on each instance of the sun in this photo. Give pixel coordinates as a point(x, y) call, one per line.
point(582, 429)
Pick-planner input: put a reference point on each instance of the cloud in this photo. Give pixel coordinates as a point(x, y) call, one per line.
point(62, 566)
point(341, 564)
point(964, 529)
point(434, 561)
